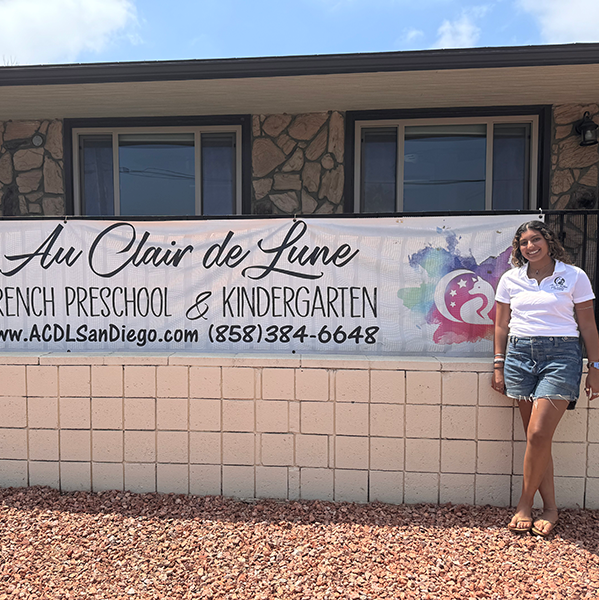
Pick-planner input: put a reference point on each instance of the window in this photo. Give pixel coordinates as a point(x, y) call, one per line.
point(163, 171)
point(452, 164)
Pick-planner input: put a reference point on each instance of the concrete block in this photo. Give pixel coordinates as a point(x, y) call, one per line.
point(107, 413)
point(171, 414)
point(456, 488)
point(278, 384)
point(572, 427)
point(277, 449)
point(238, 449)
point(487, 396)
point(272, 416)
point(13, 411)
point(205, 480)
point(140, 413)
point(74, 413)
point(140, 381)
point(13, 444)
point(421, 487)
point(352, 386)
point(312, 384)
point(593, 460)
point(386, 486)
point(75, 476)
point(293, 483)
point(423, 387)
point(13, 473)
point(238, 481)
point(386, 454)
point(569, 459)
point(423, 455)
point(42, 381)
point(423, 421)
point(271, 482)
point(205, 382)
point(592, 494)
point(570, 492)
point(387, 420)
point(351, 452)
point(494, 458)
point(316, 417)
point(140, 478)
point(459, 422)
point(593, 435)
point(519, 448)
point(351, 486)
point(492, 489)
point(107, 446)
point(107, 476)
point(75, 445)
point(13, 378)
point(172, 479)
point(140, 446)
point(316, 484)
point(351, 419)
point(495, 423)
point(458, 456)
point(204, 414)
point(107, 381)
point(238, 415)
point(311, 450)
point(172, 382)
point(74, 380)
point(205, 448)
point(388, 387)
point(44, 473)
point(238, 382)
point(43, 444)
point(459, 388)
point(294, 417)
point(173, 447)
point(42, 413)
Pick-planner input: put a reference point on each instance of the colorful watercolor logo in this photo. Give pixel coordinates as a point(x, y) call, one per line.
point(459, 295)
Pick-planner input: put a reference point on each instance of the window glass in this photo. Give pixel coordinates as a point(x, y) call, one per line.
point(511, 165)
point(444, 168)
point(218, 173)
point(156, 174)
point(379, 169)
point(97, 177)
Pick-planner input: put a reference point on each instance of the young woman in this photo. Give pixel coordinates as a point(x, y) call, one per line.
point(543, 306)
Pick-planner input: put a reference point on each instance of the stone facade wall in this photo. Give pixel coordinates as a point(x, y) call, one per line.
point(297, 163)
point(31, 177)
point(574, 168)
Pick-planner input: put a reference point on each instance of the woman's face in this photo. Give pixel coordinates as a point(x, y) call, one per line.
point(534, 246)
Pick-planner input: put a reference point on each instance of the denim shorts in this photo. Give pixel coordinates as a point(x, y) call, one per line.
point(543, 367)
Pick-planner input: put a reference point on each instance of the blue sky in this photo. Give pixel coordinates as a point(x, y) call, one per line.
point(64, 31)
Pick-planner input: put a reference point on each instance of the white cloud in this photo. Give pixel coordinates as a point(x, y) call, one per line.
point(50, 31)
point(463, 32)
point(412, 34)
point(562, 22)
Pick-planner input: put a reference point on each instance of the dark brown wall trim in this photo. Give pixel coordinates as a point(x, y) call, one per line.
point(286, 66)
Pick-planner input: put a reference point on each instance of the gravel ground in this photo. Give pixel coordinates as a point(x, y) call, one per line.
point(118, 545)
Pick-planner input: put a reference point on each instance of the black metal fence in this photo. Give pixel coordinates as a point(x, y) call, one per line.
point(577, 230)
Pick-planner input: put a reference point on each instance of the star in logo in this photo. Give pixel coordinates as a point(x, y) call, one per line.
point(462, 283)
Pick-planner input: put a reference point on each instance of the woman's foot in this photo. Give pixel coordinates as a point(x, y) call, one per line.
point(521, 522)
point(545, 524)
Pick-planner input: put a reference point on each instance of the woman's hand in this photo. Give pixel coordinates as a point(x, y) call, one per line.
point(592, 384)
point(497, 382)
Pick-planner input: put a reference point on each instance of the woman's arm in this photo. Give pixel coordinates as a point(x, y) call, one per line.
point(502, 322)
point(585, 315)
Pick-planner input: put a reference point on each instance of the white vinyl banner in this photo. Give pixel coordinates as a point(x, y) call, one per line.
point(377, 286)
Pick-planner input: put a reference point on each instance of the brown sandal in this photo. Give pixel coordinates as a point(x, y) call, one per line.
point(515, 529)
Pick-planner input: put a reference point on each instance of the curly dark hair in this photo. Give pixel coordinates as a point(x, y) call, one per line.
point(556, 250)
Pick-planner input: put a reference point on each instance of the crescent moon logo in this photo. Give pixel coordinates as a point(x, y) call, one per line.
point(474, 298)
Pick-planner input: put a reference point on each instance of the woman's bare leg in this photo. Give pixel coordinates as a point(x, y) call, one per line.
point(540, 421)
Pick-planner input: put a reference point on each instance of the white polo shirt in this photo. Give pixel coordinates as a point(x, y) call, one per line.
point(545, 309)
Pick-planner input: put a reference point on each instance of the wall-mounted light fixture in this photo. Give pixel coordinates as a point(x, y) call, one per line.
point(587, 129)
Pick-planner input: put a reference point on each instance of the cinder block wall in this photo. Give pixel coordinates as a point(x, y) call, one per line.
point(328, 428)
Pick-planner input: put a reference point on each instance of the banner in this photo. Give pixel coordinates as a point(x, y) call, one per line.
point(375, 286)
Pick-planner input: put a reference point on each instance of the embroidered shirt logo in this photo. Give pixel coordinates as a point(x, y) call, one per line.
point(559, 284)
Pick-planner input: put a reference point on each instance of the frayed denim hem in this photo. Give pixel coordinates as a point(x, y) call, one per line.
point(571, 401)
